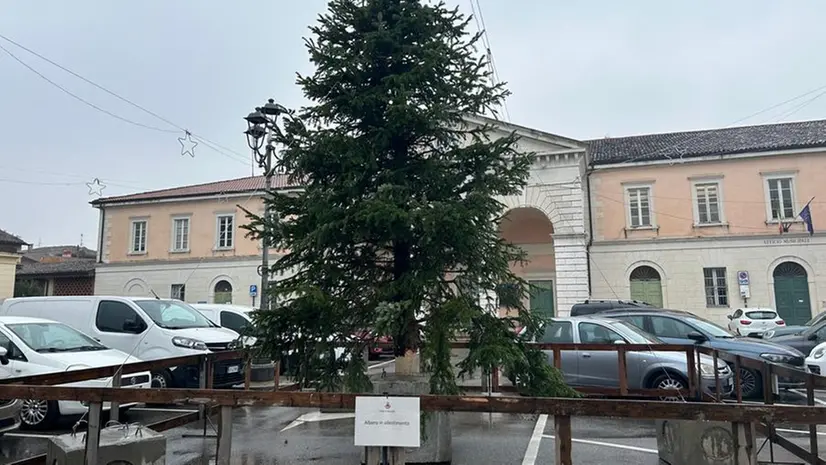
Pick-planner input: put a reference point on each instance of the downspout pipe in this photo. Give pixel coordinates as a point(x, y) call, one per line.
point(101, 222)
point(588, 171)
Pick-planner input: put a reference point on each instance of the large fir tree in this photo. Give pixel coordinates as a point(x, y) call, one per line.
point(396, 228)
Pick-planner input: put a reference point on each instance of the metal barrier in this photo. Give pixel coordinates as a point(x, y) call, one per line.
point(562, 409)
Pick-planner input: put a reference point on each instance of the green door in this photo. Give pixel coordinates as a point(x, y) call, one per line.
point(542, 298)
point(646, 286)
point(791, 293)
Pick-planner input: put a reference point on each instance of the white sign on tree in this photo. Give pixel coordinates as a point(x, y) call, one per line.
point(388, 422)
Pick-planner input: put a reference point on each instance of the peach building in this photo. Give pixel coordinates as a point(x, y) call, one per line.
point(694, 220)
point(186, 242)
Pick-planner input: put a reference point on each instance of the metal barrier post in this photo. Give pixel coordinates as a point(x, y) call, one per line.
point(222, 456)
point(114, 409)
point(623, 371)
point(93, 433)
point(810, 398)
point(202, 379)
point(745, 452)
point(738, 387)
point(717, 387)
point(247, 372)
point(562, 440)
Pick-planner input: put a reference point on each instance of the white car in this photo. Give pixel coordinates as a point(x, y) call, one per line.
point(37, 346)
point(816, 361)
point(754, 321)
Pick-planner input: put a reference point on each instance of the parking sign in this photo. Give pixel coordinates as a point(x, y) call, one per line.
point(743, 278)
point(253, 290)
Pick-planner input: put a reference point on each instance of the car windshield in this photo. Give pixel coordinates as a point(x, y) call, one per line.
point(709, 327)
point(762, 315)
point(817, 319)
point(54, 337)
point(633, 334)
point(171, 314)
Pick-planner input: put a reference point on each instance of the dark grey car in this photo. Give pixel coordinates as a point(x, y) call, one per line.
point(678, 327)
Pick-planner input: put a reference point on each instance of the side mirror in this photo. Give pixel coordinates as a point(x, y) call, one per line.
point(4, 356)
point(696, 337)
point(813, 337)
point(132, 326)
point(730, 317)
point(619, 342)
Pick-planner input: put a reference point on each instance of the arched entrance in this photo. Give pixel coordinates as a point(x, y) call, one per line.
point(530, 229)
point(646, 285)
point(223, 292)
point(791, 293)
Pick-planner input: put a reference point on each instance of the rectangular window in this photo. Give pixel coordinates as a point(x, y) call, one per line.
point(639, 206)
point(178, 291)
point(708, 202)
point(781, 198)
point(138, 244)
point(180, 234)
point(226, 231)
point(716, 287)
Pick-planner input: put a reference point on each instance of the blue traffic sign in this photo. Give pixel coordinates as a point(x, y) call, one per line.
point(253, 290)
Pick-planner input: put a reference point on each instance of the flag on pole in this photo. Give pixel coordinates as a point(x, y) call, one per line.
point(806, 216)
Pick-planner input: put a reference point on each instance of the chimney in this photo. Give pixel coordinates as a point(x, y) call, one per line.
point(67, 253)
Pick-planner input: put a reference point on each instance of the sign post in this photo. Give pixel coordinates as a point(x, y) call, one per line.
point(253, 292)
point(743, 281)
point(385, 426)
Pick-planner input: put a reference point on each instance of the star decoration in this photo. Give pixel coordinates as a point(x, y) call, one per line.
point(223, 197)
point(187, 144)
point(96, 187)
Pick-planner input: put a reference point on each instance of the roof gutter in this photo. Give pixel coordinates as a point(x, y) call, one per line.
point(588, 171)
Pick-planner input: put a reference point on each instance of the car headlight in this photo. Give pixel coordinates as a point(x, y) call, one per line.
point(768, 334)
point(189, 343)
point(777, 358)
point(707, 369)
point(818, 353)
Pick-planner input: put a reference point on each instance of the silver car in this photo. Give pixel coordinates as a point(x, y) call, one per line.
point(9, 408)
point(645, 369)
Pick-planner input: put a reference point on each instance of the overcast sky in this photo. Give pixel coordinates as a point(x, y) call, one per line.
point(582, 69)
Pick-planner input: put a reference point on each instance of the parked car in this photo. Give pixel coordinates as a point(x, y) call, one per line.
point(147, 328)
point(754, 322)
point(591, 306)
point(36, 346)
point(816, 361)
point(9, 408)
point(679, 327)
point(806, 340)
point(645, 369)
point(794, 329)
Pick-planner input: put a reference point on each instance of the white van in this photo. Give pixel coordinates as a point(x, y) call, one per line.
point(146, 328)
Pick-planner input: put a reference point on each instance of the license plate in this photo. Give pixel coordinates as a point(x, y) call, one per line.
point(233, 369)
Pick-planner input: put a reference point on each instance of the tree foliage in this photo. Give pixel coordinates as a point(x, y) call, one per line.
point(395, 230)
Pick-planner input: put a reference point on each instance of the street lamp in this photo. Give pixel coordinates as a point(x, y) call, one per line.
point(261, 124)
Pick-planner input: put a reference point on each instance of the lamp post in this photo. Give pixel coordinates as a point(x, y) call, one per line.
point(261, 124)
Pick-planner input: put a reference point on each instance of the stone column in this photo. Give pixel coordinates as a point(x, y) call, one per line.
point(571, 256)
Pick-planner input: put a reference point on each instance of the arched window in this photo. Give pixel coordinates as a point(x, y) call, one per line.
point(223, 292)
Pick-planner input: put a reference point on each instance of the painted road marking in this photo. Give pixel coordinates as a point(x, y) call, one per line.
point(533, 445)
point(608, 444)
point(152, 409)
point(798, 431)
point(800, 393)
point(381, 364)
point(314, 417)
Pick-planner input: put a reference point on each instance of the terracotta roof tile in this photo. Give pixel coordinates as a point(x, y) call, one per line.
point(725, 141)
point(7, 238)
point(230, 186)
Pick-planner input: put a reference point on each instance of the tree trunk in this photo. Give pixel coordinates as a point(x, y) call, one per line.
point(408, 364)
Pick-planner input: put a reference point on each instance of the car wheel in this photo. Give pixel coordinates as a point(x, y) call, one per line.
point(161, 379)
point(38, 414)
point(669, 381)
point(750, 384)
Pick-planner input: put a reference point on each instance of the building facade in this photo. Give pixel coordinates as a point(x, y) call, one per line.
point(710, 221)
point(186, 242)
point(57, 270)
point(10, 252)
